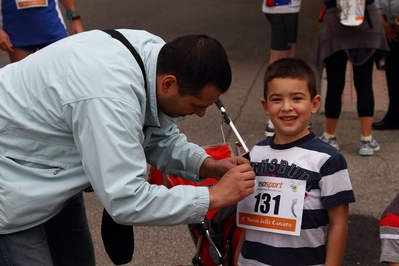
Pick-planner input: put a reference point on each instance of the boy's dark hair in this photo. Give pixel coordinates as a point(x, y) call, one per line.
point(294, 68)
point(196, 61)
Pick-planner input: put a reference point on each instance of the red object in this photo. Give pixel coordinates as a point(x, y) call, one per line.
point(269, 3)
point(321, 14)
point(222, 221)
point(391, 220)
point(218, 152)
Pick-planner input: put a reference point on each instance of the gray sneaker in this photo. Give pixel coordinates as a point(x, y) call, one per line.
point(367, 148)
point(332, 141)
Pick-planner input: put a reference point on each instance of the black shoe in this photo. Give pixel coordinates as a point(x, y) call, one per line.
point(383, 125)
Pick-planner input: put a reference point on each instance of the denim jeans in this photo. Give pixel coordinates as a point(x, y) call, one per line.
point(64, 240)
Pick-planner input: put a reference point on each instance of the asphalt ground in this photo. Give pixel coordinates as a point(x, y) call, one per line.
point(244, 32)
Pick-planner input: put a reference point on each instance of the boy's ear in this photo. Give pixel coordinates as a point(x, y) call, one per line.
point(316, 104)
point(264, 105)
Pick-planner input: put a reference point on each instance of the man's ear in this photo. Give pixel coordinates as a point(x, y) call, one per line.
point(264, 105)
point(169, 84)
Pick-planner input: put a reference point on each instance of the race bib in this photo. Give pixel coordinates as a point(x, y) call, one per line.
point(275, 206)
point(22, 4)
point(271, 3)
point(351, 12)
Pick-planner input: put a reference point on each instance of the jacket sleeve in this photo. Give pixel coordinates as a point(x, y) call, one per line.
point(170, 152)
point(109, 137)
point(103, 104)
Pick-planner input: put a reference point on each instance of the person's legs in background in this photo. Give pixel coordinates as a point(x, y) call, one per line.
point(336, 71)
point(19, 54)
point(363, 81)
point(391, 118)
point(284, 29)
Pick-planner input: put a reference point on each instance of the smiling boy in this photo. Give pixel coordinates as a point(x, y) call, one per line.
point(295, 155)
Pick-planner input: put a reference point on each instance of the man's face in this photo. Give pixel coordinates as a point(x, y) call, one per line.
point(171, 103)
point(174, 105)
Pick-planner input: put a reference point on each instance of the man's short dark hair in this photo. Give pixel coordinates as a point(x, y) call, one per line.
point(294, 68)
point(196, 61)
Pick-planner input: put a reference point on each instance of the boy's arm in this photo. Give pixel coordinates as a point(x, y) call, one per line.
point(239, 246)
point(337, 232)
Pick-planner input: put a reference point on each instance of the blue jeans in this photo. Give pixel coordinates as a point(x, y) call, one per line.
point(63, 240)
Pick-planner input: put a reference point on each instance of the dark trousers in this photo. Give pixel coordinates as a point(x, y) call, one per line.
point(362, 78)
point(64, 240)
point(392, 76)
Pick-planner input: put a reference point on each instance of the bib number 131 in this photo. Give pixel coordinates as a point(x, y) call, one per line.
point(264, 202)
point(275, 206)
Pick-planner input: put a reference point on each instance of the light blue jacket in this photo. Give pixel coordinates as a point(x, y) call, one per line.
point(71, 115)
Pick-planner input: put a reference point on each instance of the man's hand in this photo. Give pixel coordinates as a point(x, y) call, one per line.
point(5, 43)
point(217, 168)
point(234, 186)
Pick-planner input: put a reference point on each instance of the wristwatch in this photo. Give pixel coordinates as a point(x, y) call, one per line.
point(70, 13)
point(75, 18)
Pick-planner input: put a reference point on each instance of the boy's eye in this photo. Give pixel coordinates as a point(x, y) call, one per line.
point(298, 98)
point(275, 99)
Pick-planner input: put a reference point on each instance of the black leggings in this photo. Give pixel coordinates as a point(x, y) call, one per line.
point(392, 77)
point(362, 78)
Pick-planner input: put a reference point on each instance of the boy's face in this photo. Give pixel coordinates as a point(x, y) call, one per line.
point(289, 107)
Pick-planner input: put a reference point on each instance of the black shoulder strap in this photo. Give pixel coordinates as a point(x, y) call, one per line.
point(118, 239)
point(119, 36)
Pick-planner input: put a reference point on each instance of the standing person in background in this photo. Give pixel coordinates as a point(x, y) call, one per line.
point(29, 25)
point(389, 10)
point(362, 45)
point(389, 233)
point(283, 17)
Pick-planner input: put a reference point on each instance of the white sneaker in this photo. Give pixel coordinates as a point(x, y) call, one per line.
point(332, 141)
point(367, 148)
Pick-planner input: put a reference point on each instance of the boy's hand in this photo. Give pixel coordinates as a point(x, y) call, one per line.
point(234, 186)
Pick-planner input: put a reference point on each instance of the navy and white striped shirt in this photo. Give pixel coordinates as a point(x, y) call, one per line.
point(327, 186)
